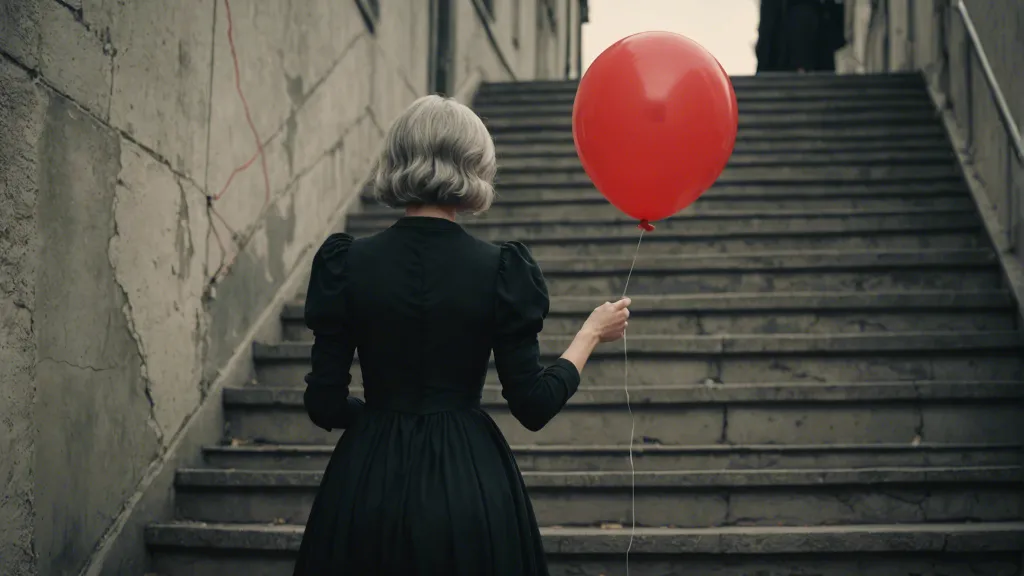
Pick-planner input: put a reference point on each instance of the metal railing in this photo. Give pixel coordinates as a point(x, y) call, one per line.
point(1014, 145)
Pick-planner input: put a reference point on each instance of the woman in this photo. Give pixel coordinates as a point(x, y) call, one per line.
point(422, 482)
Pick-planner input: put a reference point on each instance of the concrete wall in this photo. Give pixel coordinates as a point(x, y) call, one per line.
point(930, 36)
point(537, 53)
point(151, 211)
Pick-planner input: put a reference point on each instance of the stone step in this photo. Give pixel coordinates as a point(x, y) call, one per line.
point(746, 97)
point(724, 199)
point(788, 413)
point(756, 92)
point(783, 121)
point(678, 499)
point(782, 134)
point(748, 243)
point(669, 346)
point(817, 175)
point(788, 81)
point(693, 222)
point(976, 549)
point(586, 204)
point(674, 359)
point(749, 150)
point(928, 239)
point(805, 271)
point(657, 457)
point(913, 103)
point(590, 205)
point(763, 272)
point(927, 229)
point(509, 164)
point(933, 238)
point(812, 150)
point(775, 313)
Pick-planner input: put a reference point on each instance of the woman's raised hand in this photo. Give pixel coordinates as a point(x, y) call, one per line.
point(609, 320)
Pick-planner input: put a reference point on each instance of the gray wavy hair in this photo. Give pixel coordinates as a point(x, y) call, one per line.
point(437, 152)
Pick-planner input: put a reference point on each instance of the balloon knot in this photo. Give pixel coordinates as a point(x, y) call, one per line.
point(646, 226)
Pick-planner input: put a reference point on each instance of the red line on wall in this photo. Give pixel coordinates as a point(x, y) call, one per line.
point(248, 117)
point(260, 154)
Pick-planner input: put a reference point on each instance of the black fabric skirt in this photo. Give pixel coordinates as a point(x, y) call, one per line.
point(422, 495)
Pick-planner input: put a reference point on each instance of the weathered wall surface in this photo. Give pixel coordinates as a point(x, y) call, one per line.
point(531, 49)
point(164, 167)
point(477, 59)
point(97, 411)
point(929, 35)
point(21, 120)
point(1000, 26)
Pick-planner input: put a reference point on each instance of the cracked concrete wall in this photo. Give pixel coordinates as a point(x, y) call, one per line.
point(929, 35)
point(164, 167)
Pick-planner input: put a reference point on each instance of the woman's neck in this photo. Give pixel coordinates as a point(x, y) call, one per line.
point(431, 212)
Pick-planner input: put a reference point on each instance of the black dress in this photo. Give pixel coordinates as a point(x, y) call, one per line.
point(422, 482)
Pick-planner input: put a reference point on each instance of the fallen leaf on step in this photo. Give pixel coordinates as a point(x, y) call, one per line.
point(611, 526)
point(237, 442)
point(280, 521)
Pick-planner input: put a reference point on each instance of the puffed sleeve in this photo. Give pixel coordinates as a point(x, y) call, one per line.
point(327, 385)
point(534, 393)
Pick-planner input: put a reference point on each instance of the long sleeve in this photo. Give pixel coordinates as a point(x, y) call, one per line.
point(535, 394)
point(327, 397)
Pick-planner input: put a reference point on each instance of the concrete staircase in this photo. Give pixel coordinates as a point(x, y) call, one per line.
point(825, 368)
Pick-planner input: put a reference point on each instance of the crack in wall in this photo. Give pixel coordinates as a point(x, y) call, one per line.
point(209, 117)
point(39, 80)
point(243, 238)
point(77, 366)
point(373, 119)
point(183, 237)
point(109, 50)
point(129, 316)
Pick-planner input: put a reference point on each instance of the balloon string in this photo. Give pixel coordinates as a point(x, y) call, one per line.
point(629, 406)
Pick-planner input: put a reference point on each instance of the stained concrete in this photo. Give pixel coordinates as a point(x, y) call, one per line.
point(161, 91)
point(91, 393)
point(77, 60)
point(19, 30)
point(21, 123)
point(162, 280)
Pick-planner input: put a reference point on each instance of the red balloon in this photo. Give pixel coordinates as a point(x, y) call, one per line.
point(654, 122)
